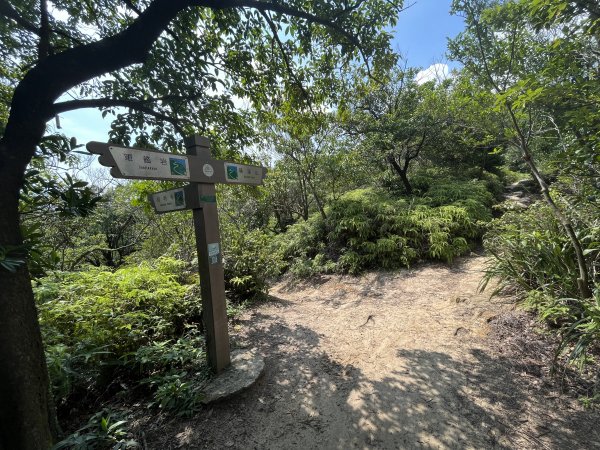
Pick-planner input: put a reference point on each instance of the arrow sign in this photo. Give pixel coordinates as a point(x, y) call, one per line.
point(138, 163)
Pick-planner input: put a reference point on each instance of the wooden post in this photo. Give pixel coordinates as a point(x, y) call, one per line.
point(210, 263)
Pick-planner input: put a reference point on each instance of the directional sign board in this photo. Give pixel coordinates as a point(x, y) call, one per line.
point(171, 200)
point(179, 199)
point(202, 172)
point(137, 163)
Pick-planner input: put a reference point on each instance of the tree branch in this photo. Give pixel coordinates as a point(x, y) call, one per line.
point(33, 100)
point(287, 10)
point(284, 55)
point(135, 9)
point(138, 105)
point(98, 249)
point(44, 44)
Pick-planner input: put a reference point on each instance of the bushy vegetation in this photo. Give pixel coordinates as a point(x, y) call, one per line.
point(107, 332)
point(369, 228)
point(531, 253)
point(250, 262)
point(103, 430)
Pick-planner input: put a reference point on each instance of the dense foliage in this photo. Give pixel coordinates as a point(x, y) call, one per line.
point(538, 59)
point(106, 332)
point(370, 229)
point(369, 168)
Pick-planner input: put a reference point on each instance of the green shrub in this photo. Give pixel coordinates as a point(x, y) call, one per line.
point(175, 370)
point(532, 253)
point(584, 331)
point(249, 261)
point(103, 430)
point(367, 228)
point(97, 323)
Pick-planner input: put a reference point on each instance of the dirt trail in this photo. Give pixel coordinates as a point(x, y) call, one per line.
point(389, 361)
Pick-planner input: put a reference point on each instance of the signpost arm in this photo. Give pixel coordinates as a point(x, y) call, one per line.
point(210, 263)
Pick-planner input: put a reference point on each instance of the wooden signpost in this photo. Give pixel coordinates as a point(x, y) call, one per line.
point(202, 171)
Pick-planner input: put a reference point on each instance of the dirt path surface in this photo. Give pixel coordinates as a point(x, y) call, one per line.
point(386, 361)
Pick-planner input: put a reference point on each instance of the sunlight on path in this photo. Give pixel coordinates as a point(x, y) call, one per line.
point(386, 360)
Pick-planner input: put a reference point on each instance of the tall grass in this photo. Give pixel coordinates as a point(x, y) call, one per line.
point(530, 253)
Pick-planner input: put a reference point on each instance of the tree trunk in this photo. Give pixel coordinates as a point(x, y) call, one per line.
point(27, 419)
point(304, 198)
point(402, 173)
point(320, 205)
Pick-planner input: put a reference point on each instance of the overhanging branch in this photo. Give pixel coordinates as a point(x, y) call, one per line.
point(138, 105)
point(284, 55)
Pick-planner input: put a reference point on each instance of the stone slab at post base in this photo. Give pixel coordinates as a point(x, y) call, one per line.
point(245, 369)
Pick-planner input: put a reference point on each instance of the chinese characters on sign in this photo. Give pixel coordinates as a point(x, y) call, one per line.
point(241, 173)
point(140, 163)
point(172, 200)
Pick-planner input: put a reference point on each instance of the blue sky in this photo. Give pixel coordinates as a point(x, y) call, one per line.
point(420, 36)
point(422, 31)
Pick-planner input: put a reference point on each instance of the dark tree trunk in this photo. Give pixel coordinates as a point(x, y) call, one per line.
point(402, 173)
point(27, 419)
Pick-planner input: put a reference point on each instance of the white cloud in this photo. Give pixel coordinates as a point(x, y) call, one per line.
point(438, 72)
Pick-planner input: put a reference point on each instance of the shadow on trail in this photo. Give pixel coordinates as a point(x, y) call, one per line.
point(307, 400)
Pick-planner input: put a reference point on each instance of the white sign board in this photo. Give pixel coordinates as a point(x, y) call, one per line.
point(172, 200)
point(241, 173)
point(141, 163)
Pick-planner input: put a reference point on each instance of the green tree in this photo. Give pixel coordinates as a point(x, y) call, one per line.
point(304, 140)
point(397, 119)
point(501, 50)
point(177, 62)
point(472, 138)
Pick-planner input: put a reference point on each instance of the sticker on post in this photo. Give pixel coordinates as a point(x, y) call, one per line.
point(154, 165)
point(213, 253)
point(208, 170)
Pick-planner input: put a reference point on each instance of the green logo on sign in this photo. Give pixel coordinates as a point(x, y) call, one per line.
point(178, 166)
point(179, 198)
point(232, 172)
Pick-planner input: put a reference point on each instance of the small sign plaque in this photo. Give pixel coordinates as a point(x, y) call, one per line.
point(213, 253)
point(171, 200)
point(242, 173)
